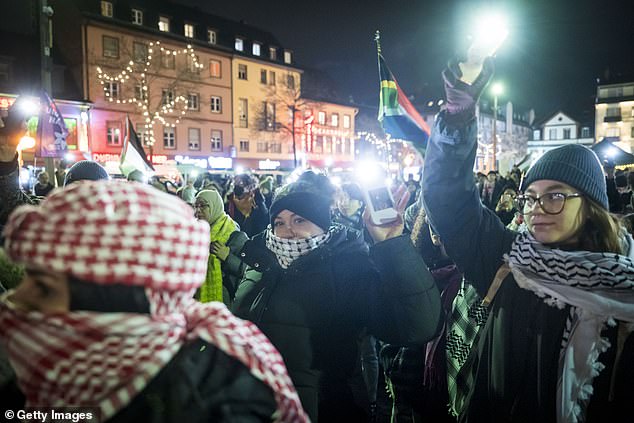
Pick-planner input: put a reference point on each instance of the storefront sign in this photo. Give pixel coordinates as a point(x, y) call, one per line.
point(6, 102)
point(105, 157)
point(196, 161)
point(268, 164)
point(220, 162)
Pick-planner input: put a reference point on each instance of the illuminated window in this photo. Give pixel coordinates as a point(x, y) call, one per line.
point(143, 132)
point(113, 133)
point(189, 30)
point(243, 112)
point(239, 44)
point(211, 36)
point(334, 119)
point(167, 97)
point(137, 17)
point(169, 137)
point(139, 52)
point(193, 138)
point(272, 53)
point(106, 9)
point(216, 140)
point(346, 121)
point(110, 47)
point(140, 93)
point(244, 145)
point(192, 64)
point(168, 59)
point(112, 90)
point(242, 72)
point(193, 102)
point(269, 116)
point(216, 104)
point(288, 56)
point(164, 24)
point(321, 118)
point(256, 49)
point(214, 68)
point(263, 76)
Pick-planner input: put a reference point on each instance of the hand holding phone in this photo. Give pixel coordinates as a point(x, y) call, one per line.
point(380, 204)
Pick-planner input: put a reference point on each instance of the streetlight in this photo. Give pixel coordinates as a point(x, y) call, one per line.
point(496, 90)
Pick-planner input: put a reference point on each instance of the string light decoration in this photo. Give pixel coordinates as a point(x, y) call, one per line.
point(170, 108)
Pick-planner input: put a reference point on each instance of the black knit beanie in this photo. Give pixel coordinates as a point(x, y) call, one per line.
point(575, 165)
point(85, 170)
point(309, 205)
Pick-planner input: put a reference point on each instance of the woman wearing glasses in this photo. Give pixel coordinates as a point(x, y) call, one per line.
point(557, 344)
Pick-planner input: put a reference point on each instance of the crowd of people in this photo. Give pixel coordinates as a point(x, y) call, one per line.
point(489, 298)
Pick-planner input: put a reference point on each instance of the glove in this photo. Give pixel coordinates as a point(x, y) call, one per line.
point(462, 97)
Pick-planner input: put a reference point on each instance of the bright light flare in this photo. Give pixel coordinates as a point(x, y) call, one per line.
point(336, 180)
point(239, 170)
point(69, 157)
point(369, 172)
point(612, 152)
point(490, 32)
point(28, 106)
point(497, 88)
point(26, 142)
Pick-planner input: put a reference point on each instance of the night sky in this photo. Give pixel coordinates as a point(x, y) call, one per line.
point(555, 51)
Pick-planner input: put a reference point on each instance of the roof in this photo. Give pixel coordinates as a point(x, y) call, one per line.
point(607, 151)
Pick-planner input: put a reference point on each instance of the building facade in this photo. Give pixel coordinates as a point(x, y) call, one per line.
point(557, 131)
point(614, 114)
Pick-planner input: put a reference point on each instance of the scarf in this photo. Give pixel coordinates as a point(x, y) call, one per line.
point(88, 359)
point(211, 289)
point(288, 250)
point(599, 287)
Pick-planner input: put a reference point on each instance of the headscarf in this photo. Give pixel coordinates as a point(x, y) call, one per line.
point(222, 226)
point(114, 232)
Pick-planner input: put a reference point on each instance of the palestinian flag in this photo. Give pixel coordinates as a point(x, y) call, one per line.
point(397, 115)
point(133, 156)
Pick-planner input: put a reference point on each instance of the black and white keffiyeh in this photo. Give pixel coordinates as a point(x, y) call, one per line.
point(288, 250)
point(599, 287)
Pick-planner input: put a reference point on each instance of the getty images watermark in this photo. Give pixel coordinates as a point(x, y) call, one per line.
point(54, 415)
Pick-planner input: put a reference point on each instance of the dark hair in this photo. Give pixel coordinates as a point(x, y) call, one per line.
point(601, 232)
point(352, 190)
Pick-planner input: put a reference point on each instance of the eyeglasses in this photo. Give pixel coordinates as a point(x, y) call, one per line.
point(551, 203)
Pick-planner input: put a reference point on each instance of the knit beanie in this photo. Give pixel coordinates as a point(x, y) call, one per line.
point(575, 165)
point(302, 199)
point(85, 170)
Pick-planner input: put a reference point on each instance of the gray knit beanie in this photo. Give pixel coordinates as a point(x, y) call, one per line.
point(575, 165)
point(85, 170)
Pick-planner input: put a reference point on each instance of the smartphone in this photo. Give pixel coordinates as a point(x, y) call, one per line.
point(380, 204)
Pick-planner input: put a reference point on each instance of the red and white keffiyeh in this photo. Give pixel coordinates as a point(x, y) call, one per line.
point(120, 232)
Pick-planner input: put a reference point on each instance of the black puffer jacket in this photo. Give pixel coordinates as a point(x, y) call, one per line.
point(314, 311)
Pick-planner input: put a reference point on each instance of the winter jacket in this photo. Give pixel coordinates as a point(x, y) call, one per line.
point(200, 384)
point(233, 267)
point(314, 311)
point(519, 349)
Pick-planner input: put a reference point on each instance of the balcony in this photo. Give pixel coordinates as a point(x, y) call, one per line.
point(616, 118)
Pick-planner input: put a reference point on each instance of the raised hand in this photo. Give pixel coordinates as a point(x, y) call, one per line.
point(461, 95)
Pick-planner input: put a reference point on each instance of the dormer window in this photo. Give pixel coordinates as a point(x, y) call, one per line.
point(239, 44)
point(137, 17)
point(189, 30)
point(212, 36)
point(164, 24)
point(106, 9)
point(288, 56)
point(272, 53)
point(256, 49)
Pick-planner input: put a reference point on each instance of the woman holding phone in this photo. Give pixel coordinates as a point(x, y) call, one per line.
point(557, 344)
point(313, 288)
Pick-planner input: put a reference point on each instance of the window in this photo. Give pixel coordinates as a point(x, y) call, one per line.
point(216, 140)
point(143, 132)
point(193, 102)
point(169, 137)
point(216, 104)
point(585, 132)
point(168, 59)
point(212, 37)
point(239, 44)
point(113, 132)
point(328, 145)
point(110, 47)
point(339, 146)
point(242, 72)
point(189, 30)
point(167, 96)
point(256, 50)
point(164, 24)
point(552, 134)
point(243, 112)
point(139, 52)
point(321, 118)
point(276, 147)
point(287, 56)
point(348, 145)
point(346, 121)
point(536, 135)
point(567, 133)
point(263, 147)
point(263, 76)
point(193, 138)
point(613, 132)
point(192, 64)
point(139, 93)
point(269, 116)
point(334, 119)
point(290, 82)
point(106, 9)
point(244, 145)
point(272, 53)
point(112, 90)
point(137, 17)
point(271, 77)
point(319, 144)
point(613, 111)
point(214, 68)
point(632, 133)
